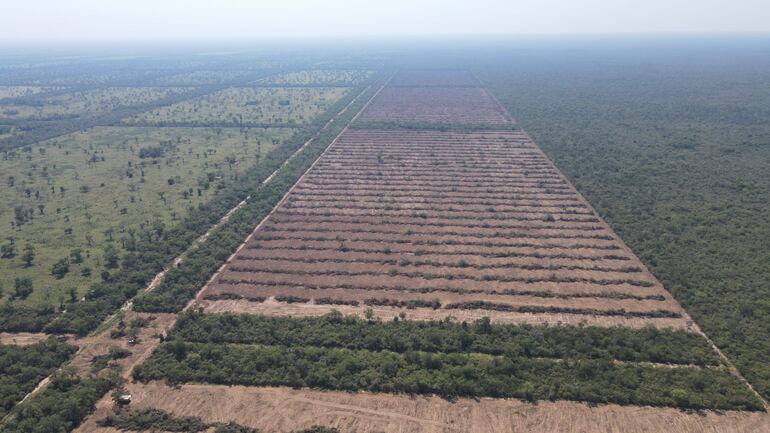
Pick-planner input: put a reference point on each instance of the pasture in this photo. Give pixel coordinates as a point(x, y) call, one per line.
point(245, 106)
point(94, 190)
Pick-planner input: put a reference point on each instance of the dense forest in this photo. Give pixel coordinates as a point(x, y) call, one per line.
point(22, 367)
point(62, 405)
point(670, 143)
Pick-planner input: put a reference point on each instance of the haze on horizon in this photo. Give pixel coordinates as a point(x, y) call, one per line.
point(137, 20)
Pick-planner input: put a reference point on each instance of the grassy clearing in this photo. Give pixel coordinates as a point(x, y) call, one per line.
point(329, 77)
point(204, 77)
point(88, 102)
point(99, 186)
point(16, 91)
point(246, 106)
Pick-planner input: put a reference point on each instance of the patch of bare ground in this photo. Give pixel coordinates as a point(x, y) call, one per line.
point(146, 342)
point(276, 410)
point(436, 104)
point(273, 308)
point(25, 338)
point(434, 77)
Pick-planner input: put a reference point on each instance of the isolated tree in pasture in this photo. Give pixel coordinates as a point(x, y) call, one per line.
point(111, 257)
point(29, 255)
point(22, 288)
point(76, 255)
point(60, 268)
point(73, 293)
point(8, 251)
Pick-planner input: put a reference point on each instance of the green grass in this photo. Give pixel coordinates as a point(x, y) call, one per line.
point(204, 77)
point(332, 77)
point(88, 102)
point(244, 106)
point(125, 192)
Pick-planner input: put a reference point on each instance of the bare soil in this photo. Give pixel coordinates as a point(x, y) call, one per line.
point(22, 338)
point(282, 410)
point(459, 217)
point(274, 308)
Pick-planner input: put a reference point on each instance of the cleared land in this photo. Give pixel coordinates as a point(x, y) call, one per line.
point(448, 106)
point(475, 221)
point(284, 409)
point(434, 78)
point(245, 106)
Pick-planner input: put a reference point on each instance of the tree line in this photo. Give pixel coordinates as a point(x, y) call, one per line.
point(334, 330)
point(449, 375)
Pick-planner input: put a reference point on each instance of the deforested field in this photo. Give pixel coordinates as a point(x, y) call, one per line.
point(431, 271)
point(285, 410)
point(434, 78)
point(448, 222)
point(440, 106)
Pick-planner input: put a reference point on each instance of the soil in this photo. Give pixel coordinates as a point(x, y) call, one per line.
point(282, 410)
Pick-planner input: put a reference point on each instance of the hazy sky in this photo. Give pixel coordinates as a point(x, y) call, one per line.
point(228, 19)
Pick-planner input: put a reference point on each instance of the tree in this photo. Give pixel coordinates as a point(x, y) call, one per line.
point(369, 313)
point(76, 255)
point(111, 257)
point(8, 251)
point(60, 268)
point(22, 288)
point(29, 255)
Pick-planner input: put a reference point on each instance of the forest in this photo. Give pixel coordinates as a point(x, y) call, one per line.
point(350, 332)
point(670, 146)
point(22, 367)
point(449, 375)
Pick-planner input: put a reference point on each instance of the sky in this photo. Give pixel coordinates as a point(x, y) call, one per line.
point(129, 20)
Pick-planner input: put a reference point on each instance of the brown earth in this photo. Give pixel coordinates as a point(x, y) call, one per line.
point(274, 308)
point(23, 338)
point(435, 104)
point(101, 343)
point(284, 410)
point(436, 208)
